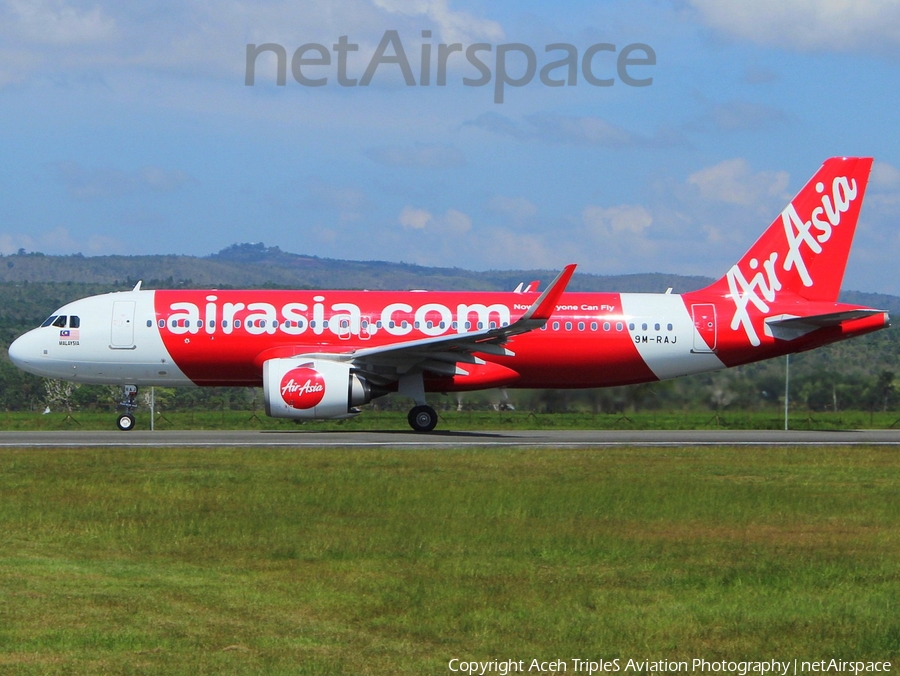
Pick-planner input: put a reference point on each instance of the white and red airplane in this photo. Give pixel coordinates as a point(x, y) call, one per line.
point(320, 354)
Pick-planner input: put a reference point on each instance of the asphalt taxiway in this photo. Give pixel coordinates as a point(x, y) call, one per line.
point(446, 439)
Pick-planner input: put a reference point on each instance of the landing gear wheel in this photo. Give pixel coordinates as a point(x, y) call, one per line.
point(128, 405)
point(422, 418)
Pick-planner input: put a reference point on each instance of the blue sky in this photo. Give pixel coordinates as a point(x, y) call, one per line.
point(127, 128)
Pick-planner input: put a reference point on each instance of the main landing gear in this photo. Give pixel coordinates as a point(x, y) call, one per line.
point(128, 405)
point(422, 418)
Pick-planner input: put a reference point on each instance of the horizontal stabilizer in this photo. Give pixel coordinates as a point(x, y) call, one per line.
point(789, 327)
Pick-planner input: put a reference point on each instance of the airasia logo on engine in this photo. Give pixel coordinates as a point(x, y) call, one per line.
point(302, 388)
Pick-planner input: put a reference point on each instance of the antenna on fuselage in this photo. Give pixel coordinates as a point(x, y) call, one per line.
point(137, 287)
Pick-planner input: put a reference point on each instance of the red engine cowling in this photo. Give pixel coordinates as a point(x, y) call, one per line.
point(312, 389)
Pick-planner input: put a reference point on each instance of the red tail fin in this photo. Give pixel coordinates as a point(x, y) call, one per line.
point(805, 249)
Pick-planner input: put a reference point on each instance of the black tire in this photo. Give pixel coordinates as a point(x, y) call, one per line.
point(125, 422)
point(422, 418)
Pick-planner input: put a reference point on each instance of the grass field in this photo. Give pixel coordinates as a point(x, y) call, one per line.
point(348, 561)
point(463, 420)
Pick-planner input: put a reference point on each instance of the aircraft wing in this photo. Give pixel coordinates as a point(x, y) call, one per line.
point(441, 354)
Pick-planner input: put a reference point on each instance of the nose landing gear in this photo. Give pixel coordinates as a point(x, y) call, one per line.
point(128, 405)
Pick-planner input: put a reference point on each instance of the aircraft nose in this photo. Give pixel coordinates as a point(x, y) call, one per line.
point(22, 351)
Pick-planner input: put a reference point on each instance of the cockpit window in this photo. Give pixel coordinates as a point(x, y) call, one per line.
point(59, 321)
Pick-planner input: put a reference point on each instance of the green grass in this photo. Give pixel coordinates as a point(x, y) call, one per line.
point(356, 561)
point(463, 420)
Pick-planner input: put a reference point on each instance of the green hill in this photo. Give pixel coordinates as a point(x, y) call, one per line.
point(256, 265)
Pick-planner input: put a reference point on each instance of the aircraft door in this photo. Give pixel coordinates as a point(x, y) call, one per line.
point(705, 322)
point(122, 331)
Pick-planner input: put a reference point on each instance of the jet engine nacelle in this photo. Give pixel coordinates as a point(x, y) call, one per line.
point(312, 389)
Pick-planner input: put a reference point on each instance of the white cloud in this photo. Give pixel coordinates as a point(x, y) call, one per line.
point(555, 128)
point(58, 241)
point(452, 222)
point(348, 202)
point(16, 65)
point(739, 116)
point(453, 26)
point(883, 195)
point(99, 245)
point(497, 124)
point(616, 221)
point(579, 130)
point(415, 219)
point(757, 75)
point(197, 37)
point(420, 155)
point(705, 221)
point(618, 239)
point(518, 250)
point(455, 222)
point(884, 175)
point(585, 129)
point(826, 25)
point(160, 179)
point(94, 183)
point(732, 182)
point(10, 243)
point(518, 209)
point(57, 23)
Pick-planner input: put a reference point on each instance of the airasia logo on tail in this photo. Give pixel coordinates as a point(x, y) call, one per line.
point(804, 239)
point(302, 388)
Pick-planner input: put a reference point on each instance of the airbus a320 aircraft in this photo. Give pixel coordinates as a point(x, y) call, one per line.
point(321, 354)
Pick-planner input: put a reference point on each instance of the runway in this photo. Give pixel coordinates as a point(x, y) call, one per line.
point(446, 439)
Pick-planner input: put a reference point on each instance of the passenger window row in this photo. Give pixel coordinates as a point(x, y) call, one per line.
point(607, 326)
point(344, 324)
point(60, 321)
point(645, 326)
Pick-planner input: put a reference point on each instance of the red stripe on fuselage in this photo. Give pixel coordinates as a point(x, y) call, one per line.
point(569, 352)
